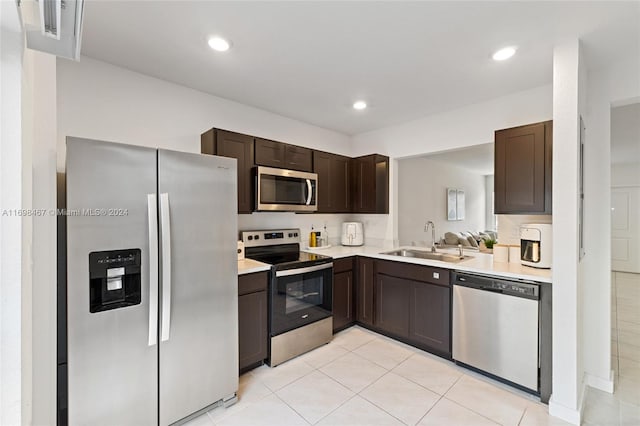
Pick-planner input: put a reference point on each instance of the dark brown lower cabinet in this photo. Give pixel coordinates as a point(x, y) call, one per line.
point(392, 303)
point(429, 316)
point(343, 300)
point(412, 304)
point(364, 291)
point(252, 319)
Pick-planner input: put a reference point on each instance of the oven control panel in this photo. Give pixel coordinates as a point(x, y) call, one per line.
point(270, 237)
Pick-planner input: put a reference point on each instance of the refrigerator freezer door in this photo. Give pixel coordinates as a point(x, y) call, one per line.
point(112, 368)
point(199, 360)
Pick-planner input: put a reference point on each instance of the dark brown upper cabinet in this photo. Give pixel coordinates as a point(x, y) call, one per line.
point(333, 182)
point(283, 156)
point(238, 146)
point(370, 184)
point(523, 169)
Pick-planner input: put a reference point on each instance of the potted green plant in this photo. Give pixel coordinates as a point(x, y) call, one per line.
point(486, 245)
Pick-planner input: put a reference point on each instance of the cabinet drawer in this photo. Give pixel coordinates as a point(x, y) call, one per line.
point(269, 153)
point(342, 265)
point(298, 158)
point(414, 272)
point(251, 283)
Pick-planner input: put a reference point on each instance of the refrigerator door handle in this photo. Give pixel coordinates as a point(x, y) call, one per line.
point(165, 226)
point(152, 211)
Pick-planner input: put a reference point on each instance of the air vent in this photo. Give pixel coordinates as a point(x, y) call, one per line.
point(53, 26)
point(50, 15)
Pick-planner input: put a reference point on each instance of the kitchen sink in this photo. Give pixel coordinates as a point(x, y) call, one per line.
point(420, 254)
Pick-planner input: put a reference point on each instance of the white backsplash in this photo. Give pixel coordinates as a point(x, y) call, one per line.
point(279, 220)
point(378, 229)
point(509, 226)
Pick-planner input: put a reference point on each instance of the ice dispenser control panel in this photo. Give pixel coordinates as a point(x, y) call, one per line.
point(114, 279)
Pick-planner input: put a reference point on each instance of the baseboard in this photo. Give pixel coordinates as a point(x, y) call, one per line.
point(605, 385)
point(567, 414)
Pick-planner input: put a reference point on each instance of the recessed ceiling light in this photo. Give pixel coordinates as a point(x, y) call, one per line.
point(359, 105)
point(219, 44)
point(504, 54)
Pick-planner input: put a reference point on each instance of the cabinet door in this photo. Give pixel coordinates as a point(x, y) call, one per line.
point(340, 198)
point(333, 182)
point(298, 158)
point(523, 169)
point(252, 328)
point(365, 299)
point(392, 304)
point(363, 187)
point(342, 299)
point(429, 325)
point(370, 184)
point(240, 147)
point(270, 153)
point(322, 167)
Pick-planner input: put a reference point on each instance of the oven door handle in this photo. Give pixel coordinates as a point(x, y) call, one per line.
point(299, 271)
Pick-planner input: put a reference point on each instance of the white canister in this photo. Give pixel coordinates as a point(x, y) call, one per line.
point(514, 253)
point(500, 253)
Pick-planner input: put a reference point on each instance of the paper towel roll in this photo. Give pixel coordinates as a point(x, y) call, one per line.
point(500, 253)
point(514, 253)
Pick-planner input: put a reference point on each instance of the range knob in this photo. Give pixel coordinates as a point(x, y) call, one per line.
point(256, 237)
point(295, 234)
point(290, 235)
point(249, 238)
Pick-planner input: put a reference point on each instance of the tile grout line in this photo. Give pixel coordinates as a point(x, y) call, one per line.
point(373, 403)
point(471, 409)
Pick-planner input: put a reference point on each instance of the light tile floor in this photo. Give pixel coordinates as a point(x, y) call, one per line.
point(623, 407)
point(363, 378)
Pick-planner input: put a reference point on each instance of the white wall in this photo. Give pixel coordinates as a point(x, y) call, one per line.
point(42, 171)
point(617, 83)
point(566, 399)
point(101, 101)
point(625, 174)
point(467, 126)
point(12, 367)
point(422, 196)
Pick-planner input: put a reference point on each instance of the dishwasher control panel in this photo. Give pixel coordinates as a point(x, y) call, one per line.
point(513, 288)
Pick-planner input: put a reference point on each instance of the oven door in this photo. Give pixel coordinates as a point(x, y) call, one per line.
point(301, 296)
point(286, 190)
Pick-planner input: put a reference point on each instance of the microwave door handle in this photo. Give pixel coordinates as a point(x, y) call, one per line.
point(309, 191)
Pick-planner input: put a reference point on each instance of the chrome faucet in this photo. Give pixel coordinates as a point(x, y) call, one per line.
point(460, 251)
point(433, 234)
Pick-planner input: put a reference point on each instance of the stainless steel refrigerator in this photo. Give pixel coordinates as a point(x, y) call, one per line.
point(151, 263)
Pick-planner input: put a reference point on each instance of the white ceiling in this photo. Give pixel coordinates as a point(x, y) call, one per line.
point(311, 60)
point(625, 134)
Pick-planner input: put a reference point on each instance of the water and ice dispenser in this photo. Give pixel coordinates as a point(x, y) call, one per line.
point(114, 279)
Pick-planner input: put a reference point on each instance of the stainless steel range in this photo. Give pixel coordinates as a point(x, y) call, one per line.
point(300, 292)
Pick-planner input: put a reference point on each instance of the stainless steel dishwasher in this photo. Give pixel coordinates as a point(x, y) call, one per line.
point(496, 327)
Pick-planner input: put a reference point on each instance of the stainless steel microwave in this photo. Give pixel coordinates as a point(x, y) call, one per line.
point(286, 190)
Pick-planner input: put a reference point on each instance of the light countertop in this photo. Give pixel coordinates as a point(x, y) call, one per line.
point(480, 262)
point(249, 266)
